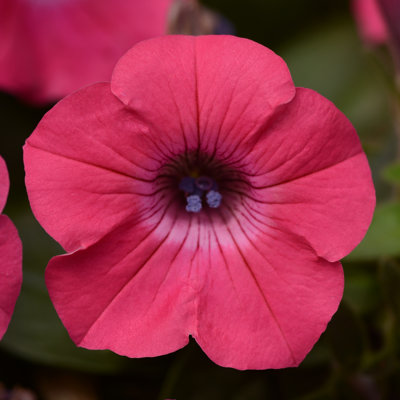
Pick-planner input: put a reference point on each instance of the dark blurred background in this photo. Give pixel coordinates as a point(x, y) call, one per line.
point(356, 358)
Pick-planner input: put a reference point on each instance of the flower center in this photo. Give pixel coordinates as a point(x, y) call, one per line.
point(198, 189)
point(200, 183)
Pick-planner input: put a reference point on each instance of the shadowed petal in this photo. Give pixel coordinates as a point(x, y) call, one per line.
point(391, 12)
point(267, 297)
point(312, 176)
point(90, 153)
point(205, 87)
point(10, 270)
point(4, 184)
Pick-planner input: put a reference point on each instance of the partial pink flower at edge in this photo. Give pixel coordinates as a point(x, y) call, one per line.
point(10, 258)
point(370, 21)
point(391, 13)
point(256, 280)
point(49, 49)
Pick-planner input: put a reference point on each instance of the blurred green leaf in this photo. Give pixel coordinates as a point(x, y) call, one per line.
point(383, 236)
point(315, 58)
point(253, 390)
point(296, 383)
point(392, 173)
point(361, 289)
point(316, 61)
point(390, 278)
point(347, 337)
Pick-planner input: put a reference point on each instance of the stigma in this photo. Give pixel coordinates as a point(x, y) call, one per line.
point(199, 190)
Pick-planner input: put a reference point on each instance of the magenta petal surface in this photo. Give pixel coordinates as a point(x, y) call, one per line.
point(245, 295)
point(85, 149)
point(370, 21)
point(267, 296)
point(194, 97)
point(49, 49)
point(301, 170)
point(138, 303)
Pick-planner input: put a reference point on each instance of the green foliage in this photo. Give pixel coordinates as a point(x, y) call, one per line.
point(332, 62)
point(392, 173)
point(383, 236)
point(390, 278)
point(361, 291)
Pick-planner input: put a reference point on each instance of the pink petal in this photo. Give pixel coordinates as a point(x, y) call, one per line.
point(50, 49)
point(252, 296)
point(312, 177)
point(4, 184)
point(209, 92)
point(370, 22)
point(267, 297)
point(87, 168)
point(137, 302)
point(10, 270)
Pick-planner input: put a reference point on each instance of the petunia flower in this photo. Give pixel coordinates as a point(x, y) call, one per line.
point(10, 257)
point(49, 48)
point(253, 273)
point(370, 21)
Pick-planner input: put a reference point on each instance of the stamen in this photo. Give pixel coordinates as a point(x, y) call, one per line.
point(196, 189)
point(213, 199)
point(193, 203)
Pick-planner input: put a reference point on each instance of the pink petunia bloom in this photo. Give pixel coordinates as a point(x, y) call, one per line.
point(10, 257)
point(370, 21)
point(200, 193)
point(50, 48)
